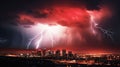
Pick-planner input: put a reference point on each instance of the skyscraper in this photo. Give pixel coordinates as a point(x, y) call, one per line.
point(64, 54)
point(39, 53)
point(58, 53)
point(70, 55)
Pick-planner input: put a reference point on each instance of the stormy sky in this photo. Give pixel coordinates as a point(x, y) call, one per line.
point(17, 16)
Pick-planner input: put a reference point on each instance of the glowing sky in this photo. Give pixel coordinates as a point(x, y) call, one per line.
point(75, 24)
point(65, 23)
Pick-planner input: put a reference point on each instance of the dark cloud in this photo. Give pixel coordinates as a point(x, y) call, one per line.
point(66, 16)
point(10, 9)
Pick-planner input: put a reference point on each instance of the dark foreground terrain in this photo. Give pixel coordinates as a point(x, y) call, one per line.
point(37, 62)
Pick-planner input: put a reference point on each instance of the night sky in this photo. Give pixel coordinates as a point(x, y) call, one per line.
point(18, 21)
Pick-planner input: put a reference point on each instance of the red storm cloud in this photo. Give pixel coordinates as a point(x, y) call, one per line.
point(77, 18)
point(66, 16)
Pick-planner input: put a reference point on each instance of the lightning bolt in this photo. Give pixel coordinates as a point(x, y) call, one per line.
point(48, 30)
point(94, 26)
point(39, 41)
point(108, 33)
point(32, 39)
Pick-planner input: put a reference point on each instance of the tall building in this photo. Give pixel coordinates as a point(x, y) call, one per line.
point(64, 54)
point(43, 52)
point(49, 53)
point(70, 55)
point(57, 53)
point(39, 53)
